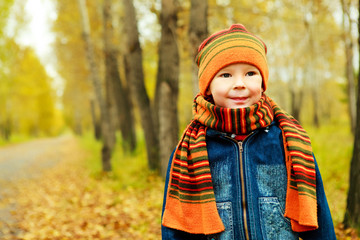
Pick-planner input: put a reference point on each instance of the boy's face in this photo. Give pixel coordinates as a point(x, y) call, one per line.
point(238, 85)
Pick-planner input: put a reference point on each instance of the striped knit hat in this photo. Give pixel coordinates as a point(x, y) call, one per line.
point(233, 45)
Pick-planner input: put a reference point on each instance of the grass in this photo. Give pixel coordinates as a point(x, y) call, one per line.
point(332, 146)
point(16, 138)
point(128, 169)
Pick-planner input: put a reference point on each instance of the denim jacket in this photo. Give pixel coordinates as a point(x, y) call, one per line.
point(250, 180)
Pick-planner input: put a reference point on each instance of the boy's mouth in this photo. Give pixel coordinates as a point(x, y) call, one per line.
point(239, 100)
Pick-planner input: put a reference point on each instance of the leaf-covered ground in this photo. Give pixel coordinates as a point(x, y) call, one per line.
point(67, 203)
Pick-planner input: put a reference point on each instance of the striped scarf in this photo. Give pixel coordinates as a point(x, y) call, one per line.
point(190, 202)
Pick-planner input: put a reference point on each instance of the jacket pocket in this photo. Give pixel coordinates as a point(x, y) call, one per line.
point(273, 223)
point(226, 215)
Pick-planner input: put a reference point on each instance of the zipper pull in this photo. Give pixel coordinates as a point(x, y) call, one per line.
point(240, 143)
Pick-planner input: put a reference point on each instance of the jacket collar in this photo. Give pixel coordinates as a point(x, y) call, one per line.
point(214, 133)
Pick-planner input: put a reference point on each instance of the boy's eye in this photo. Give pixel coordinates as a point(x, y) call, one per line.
point(251, 74)
point(225, 75)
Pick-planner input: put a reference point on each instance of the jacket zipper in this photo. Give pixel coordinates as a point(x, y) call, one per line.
point(243, 197)
point(242, 179)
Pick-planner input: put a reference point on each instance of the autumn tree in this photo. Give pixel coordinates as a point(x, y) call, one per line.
point(115, 86)
point(5, 7)
point(198, 31)
point(135, 78)
point(310, 23)
point(106, 132)
point(352, 213)
point(79, 108)
point(347, 24)
point(27, 101)
point(167, 85)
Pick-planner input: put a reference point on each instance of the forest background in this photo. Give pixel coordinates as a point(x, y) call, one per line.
point(120, 76)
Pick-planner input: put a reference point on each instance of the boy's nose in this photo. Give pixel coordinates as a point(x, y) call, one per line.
point(239, 82)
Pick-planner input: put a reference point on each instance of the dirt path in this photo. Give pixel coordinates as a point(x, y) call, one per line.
point(24, 162)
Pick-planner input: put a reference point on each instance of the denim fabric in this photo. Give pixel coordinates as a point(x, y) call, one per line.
point(263, 179)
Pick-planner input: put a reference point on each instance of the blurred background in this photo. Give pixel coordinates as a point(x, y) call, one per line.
point(119, 78)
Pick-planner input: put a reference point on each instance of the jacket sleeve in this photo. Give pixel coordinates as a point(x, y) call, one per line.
point(326, 226)
point(169, 233)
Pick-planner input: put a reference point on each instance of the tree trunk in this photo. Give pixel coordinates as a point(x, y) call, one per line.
point(5, 128)
point(296, 102)
point(296, 95)
point(123, 104)
point(95, 122)
point(198, 31)
point(167, 90)
point(349, 69)
point(315, 97)
point(107, 147)
point(351, 89)
point(352, 213)
point(310, 25)
point(135, 79)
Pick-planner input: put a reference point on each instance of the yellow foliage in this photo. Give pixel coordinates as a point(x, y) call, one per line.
point(27, 100)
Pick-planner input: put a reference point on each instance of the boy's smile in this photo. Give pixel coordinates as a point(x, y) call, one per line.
point(238, 85)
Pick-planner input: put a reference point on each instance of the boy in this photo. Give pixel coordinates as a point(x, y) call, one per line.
point(244, 168)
